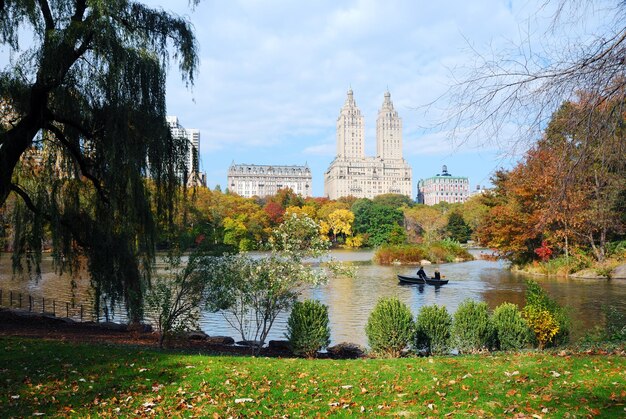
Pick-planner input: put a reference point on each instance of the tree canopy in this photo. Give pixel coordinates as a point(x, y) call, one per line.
point(83, 128)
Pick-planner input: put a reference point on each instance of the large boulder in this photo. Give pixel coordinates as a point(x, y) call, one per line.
point(346, 350)
point(197, 335)
point(619, 272)
point(279, 345)
point(220, 340)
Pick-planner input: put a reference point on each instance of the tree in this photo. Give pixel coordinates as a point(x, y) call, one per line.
point(174, 299)
point(457, 229)
point(523, 84)
point(88, 100)
point(381, 223)
point(340, 222)
point(252, 292)
point(393, 200)
point(426, 221)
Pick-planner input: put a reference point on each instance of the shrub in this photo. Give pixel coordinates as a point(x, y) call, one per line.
point(390, 327)
point(542, 323)
point(387, 254)
point(433, 330)
point(536, 296)
point(175, 297)
point(472, 328)
point(615, 325)
point(307, 328)
point(511, 331)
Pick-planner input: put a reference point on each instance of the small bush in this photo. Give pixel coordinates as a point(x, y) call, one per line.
point(307, 328)
point(472, 328)
point(536, 296)
point(615, 324)
point(542, 323)
point(387, 254)
point(390, 327)
point(511, 331)
point(433, 330)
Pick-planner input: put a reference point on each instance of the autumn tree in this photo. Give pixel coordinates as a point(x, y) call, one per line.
point(427, 222)
point(340, 223)
point(89, 96)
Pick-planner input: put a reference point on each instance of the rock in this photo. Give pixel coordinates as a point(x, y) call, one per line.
point(114, 326)
point(220, 340)
point(280, 345)
point(197, 335)
point(425, 262)
point(249, 343)
point(346, 350)
point(619, 272)
point(139, 327)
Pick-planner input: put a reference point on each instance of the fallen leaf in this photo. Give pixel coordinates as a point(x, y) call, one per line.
point(244, 400)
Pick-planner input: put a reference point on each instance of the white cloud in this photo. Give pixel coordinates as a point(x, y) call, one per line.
point(274, 74)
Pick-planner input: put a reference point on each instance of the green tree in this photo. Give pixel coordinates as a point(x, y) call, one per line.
point(381, 223)
point(457, 229)
point(89, 98)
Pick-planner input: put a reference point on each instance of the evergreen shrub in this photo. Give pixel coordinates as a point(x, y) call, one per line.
point(472, 329)
point(511, 330)
point(390, 328)
point(307, 328)
point(433, 330)
point(537, 297)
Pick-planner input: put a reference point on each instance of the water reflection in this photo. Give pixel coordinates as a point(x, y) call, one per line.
point(350, 300)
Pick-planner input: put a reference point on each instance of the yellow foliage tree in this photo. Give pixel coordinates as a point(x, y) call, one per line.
point(340, 222)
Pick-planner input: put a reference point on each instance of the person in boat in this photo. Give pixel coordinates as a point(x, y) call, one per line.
point(437, 274)
point(421, 273)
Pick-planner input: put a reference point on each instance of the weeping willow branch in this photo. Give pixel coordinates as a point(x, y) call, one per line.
point(79, 159)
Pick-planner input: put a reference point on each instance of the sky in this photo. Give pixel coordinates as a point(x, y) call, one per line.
point(273, 76)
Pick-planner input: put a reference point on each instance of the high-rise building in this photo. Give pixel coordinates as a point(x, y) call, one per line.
point(352, 173)
point(250, 180)
point(194, 177)
point(443, 187)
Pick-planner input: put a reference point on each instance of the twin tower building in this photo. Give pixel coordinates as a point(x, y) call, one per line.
point(351, 173)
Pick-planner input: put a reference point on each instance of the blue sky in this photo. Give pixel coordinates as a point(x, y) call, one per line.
point(273, 76)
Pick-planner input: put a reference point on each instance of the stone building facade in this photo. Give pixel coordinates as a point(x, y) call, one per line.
point(352, 173)
point(443, 188)
point(250, 180)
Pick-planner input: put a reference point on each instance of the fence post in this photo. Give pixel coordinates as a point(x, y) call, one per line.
point(81, 312)
point(43, 304)
point(20, 299)
point(11, 298)
point(67, 310)
point(54, 308)
point(30, 303)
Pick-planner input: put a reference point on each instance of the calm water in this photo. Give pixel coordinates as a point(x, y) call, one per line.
point(350, 300)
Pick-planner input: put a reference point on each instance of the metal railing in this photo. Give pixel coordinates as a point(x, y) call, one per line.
point(71, 310)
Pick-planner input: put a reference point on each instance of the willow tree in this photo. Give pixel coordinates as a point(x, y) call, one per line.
point(84, 144)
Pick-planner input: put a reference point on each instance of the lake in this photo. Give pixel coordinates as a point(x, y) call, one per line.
point(350, 300)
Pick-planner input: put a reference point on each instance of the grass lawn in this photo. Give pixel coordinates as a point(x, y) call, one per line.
point(56, 378)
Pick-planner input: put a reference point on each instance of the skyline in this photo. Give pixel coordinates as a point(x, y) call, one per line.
point(273, 78)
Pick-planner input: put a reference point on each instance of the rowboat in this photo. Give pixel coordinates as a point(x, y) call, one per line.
point(413, 279)
point(436, 282)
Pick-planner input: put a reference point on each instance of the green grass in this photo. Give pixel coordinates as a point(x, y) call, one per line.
point(80, 380)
